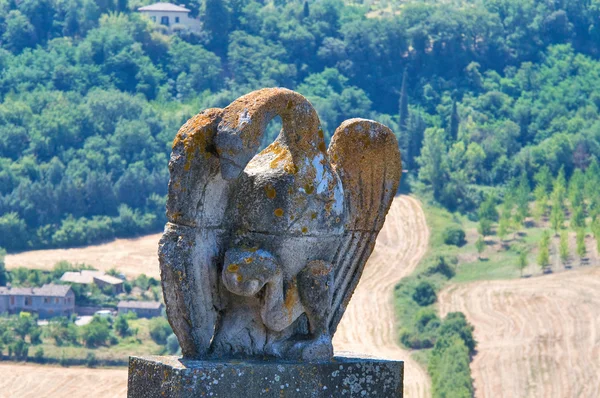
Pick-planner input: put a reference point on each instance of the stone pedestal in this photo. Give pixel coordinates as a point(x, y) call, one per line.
point(169, 376)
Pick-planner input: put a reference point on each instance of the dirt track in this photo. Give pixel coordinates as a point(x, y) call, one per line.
point(130, 256)
point(537, 337)
point(368, 326)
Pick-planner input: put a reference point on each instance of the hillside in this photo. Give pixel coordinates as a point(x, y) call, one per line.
point(537, 337)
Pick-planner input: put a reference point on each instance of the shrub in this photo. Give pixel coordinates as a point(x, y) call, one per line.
point(39, 354)
point(160, 330)
point(35, 334)
point(122, 326)
point(454, 235)
point(96, 332)
point(172, 344)
point(449, 369)
point(424, 294)
point(20, 349)
point(456, 323)
point(442, 266)
point(90, 360)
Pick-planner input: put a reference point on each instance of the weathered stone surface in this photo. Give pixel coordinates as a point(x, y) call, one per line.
point(262, 252)
point(340, 377)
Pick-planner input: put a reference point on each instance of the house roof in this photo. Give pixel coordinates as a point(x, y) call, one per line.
point(51, 290)
point(140, 304)
point(88, 276)
point(164, 7)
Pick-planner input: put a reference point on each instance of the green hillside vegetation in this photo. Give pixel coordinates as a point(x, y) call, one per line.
point(91, 96)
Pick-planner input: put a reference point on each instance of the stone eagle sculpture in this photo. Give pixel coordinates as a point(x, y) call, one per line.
point(262, 252)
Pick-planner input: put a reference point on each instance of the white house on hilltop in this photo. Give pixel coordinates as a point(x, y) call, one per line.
point(171, 16)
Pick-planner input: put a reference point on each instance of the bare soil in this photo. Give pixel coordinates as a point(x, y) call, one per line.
point(130, 256)
point(35, 381)
point(537, 337)
point(369, 325)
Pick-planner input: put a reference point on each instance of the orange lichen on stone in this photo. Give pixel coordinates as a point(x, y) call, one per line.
point(239, 278)
point(248, 260)
point(309, 188)
point(270, 191)
point(291, 297)
point(233, 268)
point(278, 212)
point(313, 215)
point(196, 136)
point(322, 146)
point(304, 230)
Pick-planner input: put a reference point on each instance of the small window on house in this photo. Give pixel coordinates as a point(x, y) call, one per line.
point(164, 21)
point(176, 19)
point(56, 300)
point(46, 300)
point(12, 300)
point(27, 300)
point(153, 19)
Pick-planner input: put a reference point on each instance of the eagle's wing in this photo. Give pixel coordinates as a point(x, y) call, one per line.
point(190, 246)
point(365, 155)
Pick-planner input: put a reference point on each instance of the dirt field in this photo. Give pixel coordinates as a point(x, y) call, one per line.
point(130, 256)
point(35, 381)
point(537, 337)
point(367, 327)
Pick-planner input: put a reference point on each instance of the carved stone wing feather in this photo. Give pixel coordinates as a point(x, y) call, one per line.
point(192, 240)
point(365, 155)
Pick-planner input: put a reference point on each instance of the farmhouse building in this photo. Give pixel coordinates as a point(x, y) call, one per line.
point(171, 16)
point(46, 301)
point(143, 309)
point(87, 277)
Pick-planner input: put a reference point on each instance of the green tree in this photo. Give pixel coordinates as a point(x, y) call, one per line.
point(578, 218)
point(543, 258)
point(485, 227)
point(522, 261)
point(96, 333)
point(487, 209)
point(480, 246)
point(122, 326)
point(543, 179)
point(3, 272)
point(564, 247)
point(557, 214)
point(580, 243)
point(541, 203)
point(160, 330)
point(503, 227)
point(19, 33)
point(522, 200)
point(403, 105)
point(454, 122)
point(216, 21)
point(434, 167)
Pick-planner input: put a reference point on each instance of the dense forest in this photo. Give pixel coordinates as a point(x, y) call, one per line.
point(479, 92)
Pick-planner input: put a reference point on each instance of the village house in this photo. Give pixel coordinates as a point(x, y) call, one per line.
point(171, 16)
point(87, 277)
point(143, 309)
point(46, 301)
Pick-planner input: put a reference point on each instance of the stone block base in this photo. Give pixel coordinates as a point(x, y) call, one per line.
point(156, 376)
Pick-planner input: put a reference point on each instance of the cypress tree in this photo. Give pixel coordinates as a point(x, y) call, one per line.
point(306, 11)
point(403, 104)
point(215, 19)
point(454, 122)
